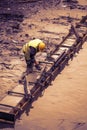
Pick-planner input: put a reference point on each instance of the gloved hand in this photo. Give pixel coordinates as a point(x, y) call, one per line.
point(38, 67)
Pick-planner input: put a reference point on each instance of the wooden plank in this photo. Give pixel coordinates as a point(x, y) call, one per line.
point(11, 100)
point(5, 109)
point(19, 88)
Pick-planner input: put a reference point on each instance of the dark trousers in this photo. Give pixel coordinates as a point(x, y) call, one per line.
point(30, 64)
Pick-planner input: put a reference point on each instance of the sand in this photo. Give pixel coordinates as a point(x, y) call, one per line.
point(63, 105)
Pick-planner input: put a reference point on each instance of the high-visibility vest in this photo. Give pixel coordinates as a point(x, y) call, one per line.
point(26, 51)
point(33, 43)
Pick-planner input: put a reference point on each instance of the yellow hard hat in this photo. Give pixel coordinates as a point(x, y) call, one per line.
point(41, 46)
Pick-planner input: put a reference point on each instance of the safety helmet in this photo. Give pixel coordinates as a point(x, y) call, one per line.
point(41, 46)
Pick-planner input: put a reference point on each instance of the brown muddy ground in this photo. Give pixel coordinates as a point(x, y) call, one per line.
point(63, 105)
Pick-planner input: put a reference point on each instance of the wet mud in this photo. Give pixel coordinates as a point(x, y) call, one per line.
point(21, 21)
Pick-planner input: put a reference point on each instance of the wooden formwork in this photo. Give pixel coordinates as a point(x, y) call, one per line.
point(15, 102)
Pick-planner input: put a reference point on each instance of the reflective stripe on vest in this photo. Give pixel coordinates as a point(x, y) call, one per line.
point(25, 47)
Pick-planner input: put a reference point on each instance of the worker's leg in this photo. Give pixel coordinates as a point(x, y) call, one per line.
point(29, 66)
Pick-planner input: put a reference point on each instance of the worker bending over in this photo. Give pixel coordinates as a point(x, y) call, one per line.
point(30, 49)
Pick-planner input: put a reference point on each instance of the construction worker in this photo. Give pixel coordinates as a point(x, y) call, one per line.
point(30, 49)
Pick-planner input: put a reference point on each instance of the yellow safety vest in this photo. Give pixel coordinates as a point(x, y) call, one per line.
point(33, 43)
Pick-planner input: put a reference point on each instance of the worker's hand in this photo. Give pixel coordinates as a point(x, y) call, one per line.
point(38, 67)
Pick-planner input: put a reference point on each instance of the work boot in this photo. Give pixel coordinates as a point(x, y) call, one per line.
point(38, 67)
point(29, 70)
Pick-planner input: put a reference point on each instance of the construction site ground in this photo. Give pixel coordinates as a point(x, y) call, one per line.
point(63, 105)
